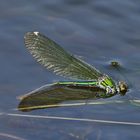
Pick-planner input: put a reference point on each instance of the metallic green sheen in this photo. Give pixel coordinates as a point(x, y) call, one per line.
point(88, 83)
point(109, 82)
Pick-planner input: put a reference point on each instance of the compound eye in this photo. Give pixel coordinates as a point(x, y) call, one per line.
point(123, 88)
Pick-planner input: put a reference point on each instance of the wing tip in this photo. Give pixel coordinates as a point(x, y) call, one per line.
point(36, 33)
point(30, 37)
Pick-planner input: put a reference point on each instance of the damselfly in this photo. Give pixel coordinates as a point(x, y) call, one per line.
point(89, 82)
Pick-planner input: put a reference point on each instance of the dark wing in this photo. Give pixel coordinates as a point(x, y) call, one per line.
point(53, 96)
point(55, 58)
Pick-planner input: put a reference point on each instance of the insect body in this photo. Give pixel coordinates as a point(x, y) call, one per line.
point(88, 80)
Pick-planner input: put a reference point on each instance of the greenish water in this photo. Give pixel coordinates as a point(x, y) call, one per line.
point(96, 31)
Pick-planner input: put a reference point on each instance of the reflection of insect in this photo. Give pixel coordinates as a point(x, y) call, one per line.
point(55, 58)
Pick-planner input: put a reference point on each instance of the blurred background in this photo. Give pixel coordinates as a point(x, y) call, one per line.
point(97, 31)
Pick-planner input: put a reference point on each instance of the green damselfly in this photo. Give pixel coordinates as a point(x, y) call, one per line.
point(88, 82)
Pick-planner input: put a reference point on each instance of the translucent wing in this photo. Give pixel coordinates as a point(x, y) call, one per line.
point(55, 58)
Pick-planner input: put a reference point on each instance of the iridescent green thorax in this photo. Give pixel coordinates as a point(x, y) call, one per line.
point(108, 84)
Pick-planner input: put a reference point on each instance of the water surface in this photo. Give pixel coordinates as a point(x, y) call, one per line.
point(97, 31)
